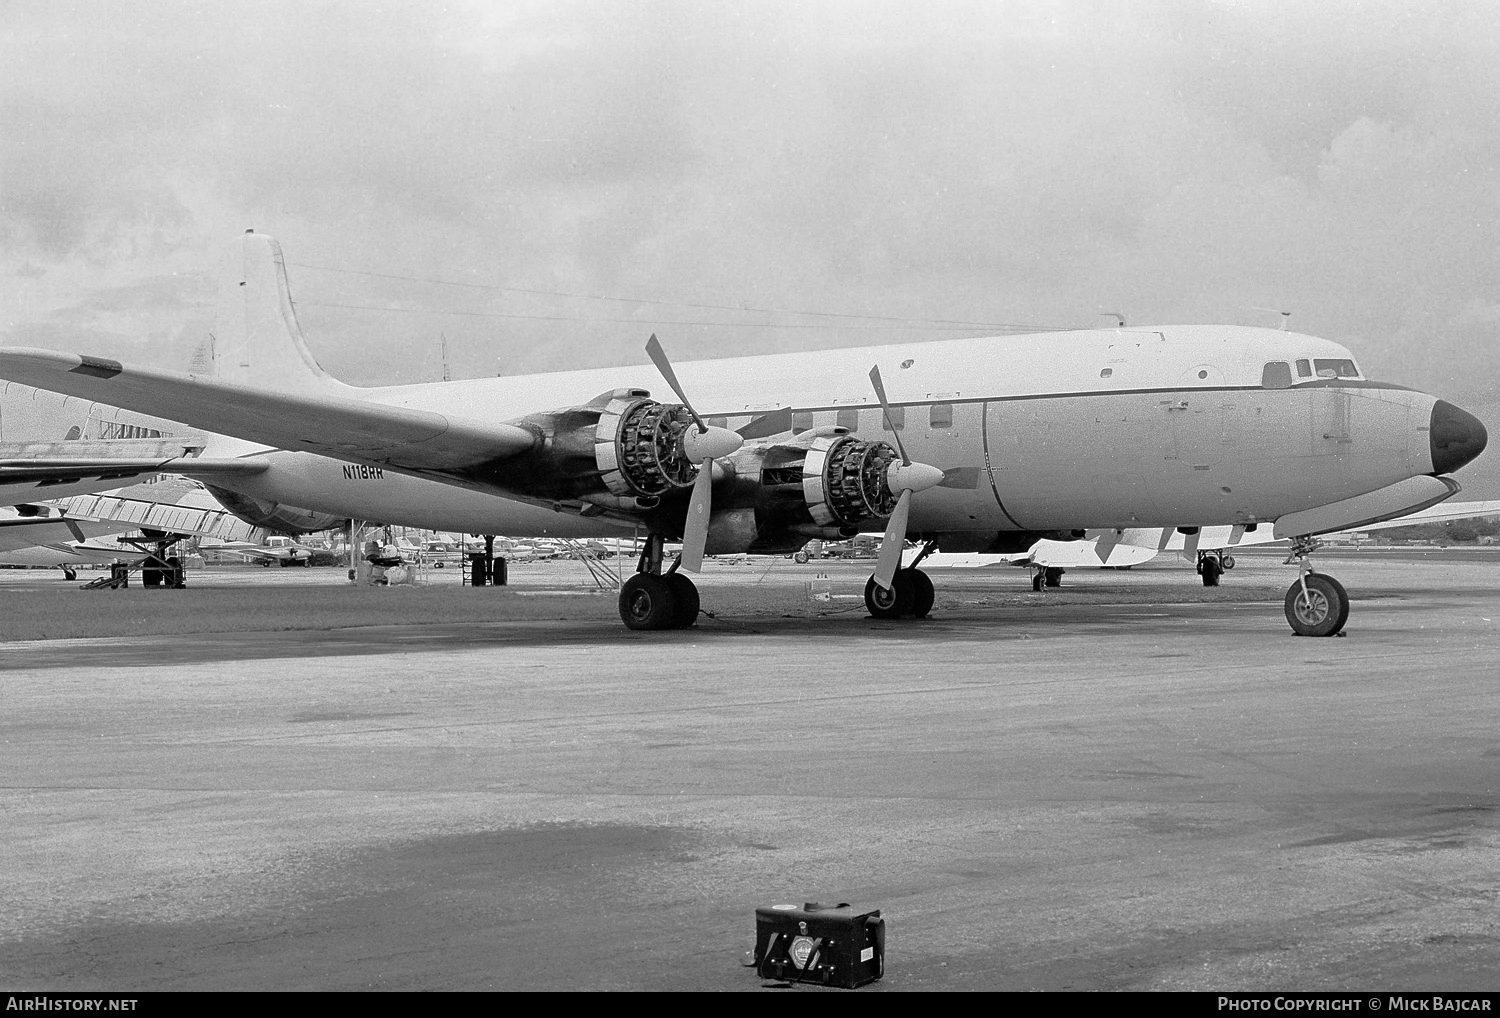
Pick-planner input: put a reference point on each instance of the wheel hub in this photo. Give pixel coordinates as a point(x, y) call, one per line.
point(1312, 607)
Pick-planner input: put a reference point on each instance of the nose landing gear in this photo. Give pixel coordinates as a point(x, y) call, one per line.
point(652, 599)
point(1317, 604)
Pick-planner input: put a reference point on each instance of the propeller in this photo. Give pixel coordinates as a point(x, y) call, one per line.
point(905, 477)
point(702, 447)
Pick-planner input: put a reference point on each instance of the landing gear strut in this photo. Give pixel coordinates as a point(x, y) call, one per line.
point(911, 592)
point(653, 599)
point(1316, 605)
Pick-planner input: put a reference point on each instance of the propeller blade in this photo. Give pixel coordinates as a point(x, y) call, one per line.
point(894, 542)
point(766, 425)
point(885, 408)
point(659, 358)
point(700, 508)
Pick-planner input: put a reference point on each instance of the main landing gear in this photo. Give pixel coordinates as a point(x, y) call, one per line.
point(652, 599)
point(1212, 565)
point(1316, 605)
point(910, 593)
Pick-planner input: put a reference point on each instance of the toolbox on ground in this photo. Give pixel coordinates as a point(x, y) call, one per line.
point(828, 944)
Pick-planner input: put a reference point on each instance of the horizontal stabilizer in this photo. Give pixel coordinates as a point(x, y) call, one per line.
point(326, 423)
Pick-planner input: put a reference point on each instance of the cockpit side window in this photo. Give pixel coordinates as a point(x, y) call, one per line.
point(1329, 367)
point(1304, 369)
point(1276, 375)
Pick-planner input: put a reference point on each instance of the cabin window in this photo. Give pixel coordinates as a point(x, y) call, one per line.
point(1276, 375)
point(1304, 369)
point(801, 423)
point(895, 420)
point(1335, 368)
point(941, 415)
point(718, 422)
point(849, 419)
point(1106, 372)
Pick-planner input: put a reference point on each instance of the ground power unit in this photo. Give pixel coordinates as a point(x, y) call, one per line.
point(832, 945)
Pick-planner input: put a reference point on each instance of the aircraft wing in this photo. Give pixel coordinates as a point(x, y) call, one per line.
point(147, 514)
point(17, 532)
point(30, 470)
point(1224, 537)
point(326, 423)
point(1443, 513)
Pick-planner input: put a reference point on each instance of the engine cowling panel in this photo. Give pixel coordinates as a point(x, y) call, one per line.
point(825, 485)
point(623, 451)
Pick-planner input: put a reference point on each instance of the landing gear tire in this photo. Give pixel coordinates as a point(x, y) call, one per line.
point(1210, 569)
point(892, 603)
point(151, 575)
point(1036, 583)
point(647, 602)
point(922, 593)
point(1322, 611)
point(685, 594)
point(69, 574)
point(1054, 576)
point(1228, 562)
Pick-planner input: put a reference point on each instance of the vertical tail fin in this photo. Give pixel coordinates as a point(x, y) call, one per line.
point(258, 339)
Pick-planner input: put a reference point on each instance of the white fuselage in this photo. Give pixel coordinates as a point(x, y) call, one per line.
point(1128, 427)
point(1058, 431)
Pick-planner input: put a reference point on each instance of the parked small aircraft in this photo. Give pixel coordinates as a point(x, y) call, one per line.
point(129, 525)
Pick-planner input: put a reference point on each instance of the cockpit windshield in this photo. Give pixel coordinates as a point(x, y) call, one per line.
point(1328, 367)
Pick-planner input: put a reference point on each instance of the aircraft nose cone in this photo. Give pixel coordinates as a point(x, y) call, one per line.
point(1456, 437)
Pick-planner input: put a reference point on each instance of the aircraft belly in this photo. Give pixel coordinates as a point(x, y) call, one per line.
point(325, 485)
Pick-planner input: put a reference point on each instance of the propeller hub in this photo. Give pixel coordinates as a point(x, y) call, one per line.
point(714, 443)
point(913, 477)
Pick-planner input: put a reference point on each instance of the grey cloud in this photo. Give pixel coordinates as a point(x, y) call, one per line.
point(1033, 162)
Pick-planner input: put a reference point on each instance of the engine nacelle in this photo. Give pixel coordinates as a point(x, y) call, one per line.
point(621, 451)
point(273, 516)
point(822, 485)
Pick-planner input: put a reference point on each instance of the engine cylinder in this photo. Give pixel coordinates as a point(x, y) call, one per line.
point(825, 486)
point(621, 451)
point(844, 480)
point(638, 447)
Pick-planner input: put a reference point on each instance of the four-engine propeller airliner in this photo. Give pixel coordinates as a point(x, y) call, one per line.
point(970, 444)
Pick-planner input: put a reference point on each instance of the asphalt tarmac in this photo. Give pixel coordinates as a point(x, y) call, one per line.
point(1113, 786)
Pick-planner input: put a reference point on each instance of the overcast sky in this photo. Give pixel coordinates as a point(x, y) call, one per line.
point(1018, 163)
